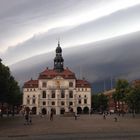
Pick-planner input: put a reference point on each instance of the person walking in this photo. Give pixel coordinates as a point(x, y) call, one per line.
point(30, 117)
point(115, 119)
point(51, 115)
point(26, 118)
point(104, 116)
point(75, 115)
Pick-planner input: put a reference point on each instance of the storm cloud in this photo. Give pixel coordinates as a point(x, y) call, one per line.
point(117, 58)
point(99, 38)
point(32, 27)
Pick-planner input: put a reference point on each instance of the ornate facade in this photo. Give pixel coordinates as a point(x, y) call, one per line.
point(57, 89)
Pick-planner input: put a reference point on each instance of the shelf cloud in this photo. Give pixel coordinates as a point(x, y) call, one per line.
point(30, 28)
point(103, 34)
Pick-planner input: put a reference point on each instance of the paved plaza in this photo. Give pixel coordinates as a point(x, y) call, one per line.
point(86, 127)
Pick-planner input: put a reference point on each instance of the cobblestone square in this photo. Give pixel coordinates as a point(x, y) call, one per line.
point(85, 127)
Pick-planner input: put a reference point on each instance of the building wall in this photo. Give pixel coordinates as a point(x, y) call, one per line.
point(30, 94)
point(115, 106)
point(84, 94)
point(58, 103)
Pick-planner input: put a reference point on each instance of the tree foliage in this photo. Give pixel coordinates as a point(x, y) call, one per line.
point(122, 88)
point(129, 94)
point(99, 102)
point(133, 99)
point(9, 89)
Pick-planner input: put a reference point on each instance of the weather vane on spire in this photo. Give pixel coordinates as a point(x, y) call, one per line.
point(59, 41)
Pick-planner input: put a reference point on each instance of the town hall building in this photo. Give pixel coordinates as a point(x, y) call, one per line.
point(57, 89)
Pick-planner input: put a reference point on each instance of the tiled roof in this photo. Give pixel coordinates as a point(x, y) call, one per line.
point(82, 83)
point(51, 73)
point(136, 83)
point(31, 84)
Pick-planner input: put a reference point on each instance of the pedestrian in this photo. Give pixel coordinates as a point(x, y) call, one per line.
point(51, 115)
point(75, 116)
point(115, 119)
point(104, 116)
point(30, 117)
point(26, 118)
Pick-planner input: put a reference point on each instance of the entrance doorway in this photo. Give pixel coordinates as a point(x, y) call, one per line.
point(44, 111)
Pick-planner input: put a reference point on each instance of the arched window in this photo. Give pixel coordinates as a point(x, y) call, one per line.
point(62, 103)
point(70, 94)
point(33, 101)
point(85, 101)
point(44, 103)
point(53, 103)
point(70, 103)
point(53, 94)
point(44, 94)
point(79, 101)
point(86, 110)
point(28, 101)
point(62, 94)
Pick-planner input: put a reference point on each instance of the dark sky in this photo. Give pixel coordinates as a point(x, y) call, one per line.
point(113, 58)
point(32, 27)
point(100, 38)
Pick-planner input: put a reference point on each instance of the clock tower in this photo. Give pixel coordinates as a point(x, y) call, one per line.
point(58, 60)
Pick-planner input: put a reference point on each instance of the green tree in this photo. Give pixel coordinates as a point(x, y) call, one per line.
point(133, 99)
point(95, 102)
point(99, 102)
point(4, 82)
point(122, 87)
point(9, 89)
point(13, 94)
point(103, 101)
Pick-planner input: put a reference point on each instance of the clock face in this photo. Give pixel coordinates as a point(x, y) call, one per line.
point(58, 83)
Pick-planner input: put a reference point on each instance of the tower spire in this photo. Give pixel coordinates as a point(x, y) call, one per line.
point(58, 42)
point(58, 60)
